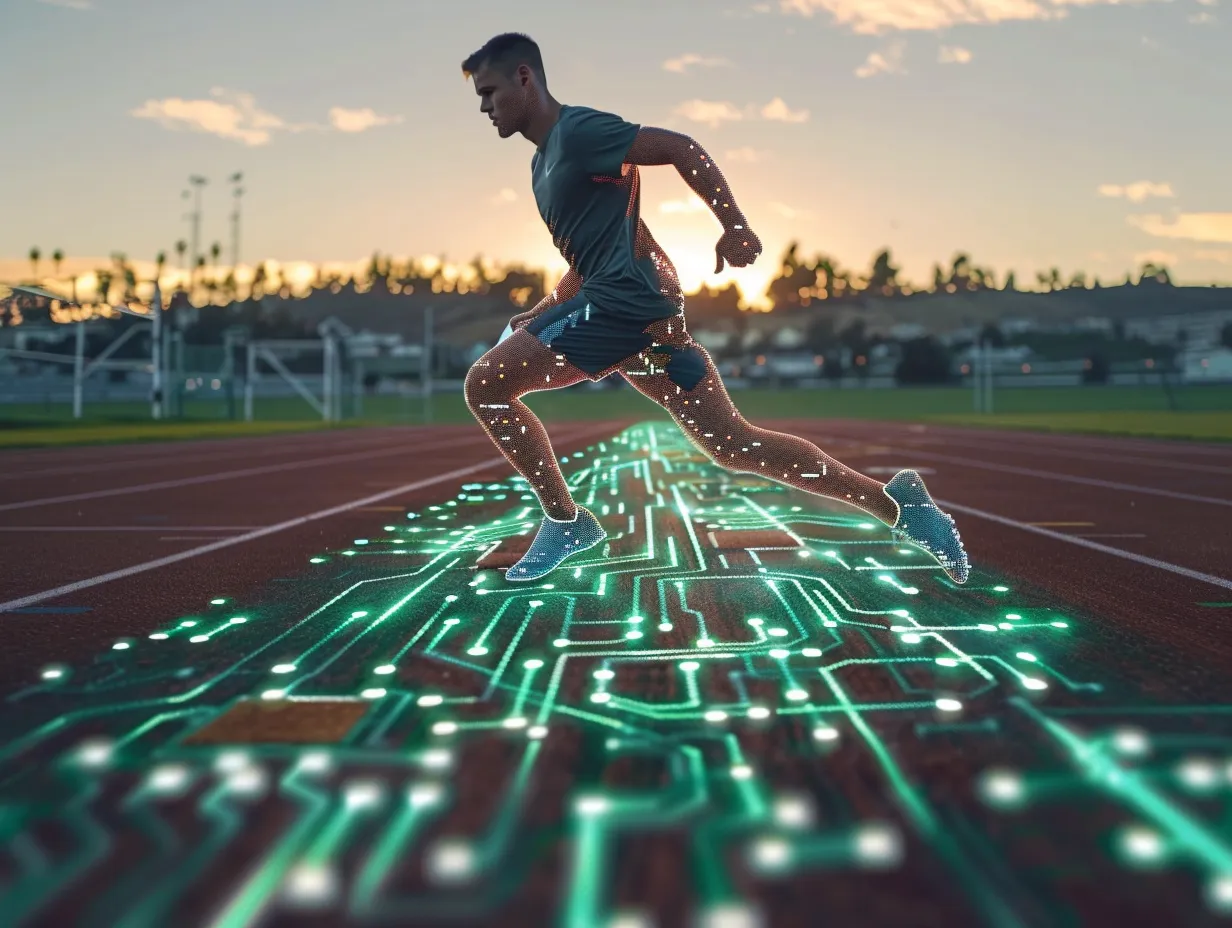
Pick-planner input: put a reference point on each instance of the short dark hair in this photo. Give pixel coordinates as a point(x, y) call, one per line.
point(507, 52)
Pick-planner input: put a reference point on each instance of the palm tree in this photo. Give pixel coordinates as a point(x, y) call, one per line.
point(103, 290)
point(35, 254)
point(215, 251)
point(180, 247)
point(199, 270)
point(1009, 282)
point(160, 262)
point(57, 258)
point(960, 273)
point(883, 278)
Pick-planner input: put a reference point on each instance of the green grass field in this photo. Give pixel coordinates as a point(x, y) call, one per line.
point(1203, 412)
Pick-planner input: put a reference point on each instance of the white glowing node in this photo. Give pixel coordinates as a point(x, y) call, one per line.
point(1142, 844)
point(771, 853)
point(877, 845)
point(436, 759)
point(94, 753)
point(1198, 773)
point(949, 705)
point(246, 782)
point(793, 812)
point(362, 795)
point(592, 805)
point(1132, 741)
point(231, 761)
point(310, 884)
point(451, 861)
point(537, 731)
point(444, 728)
point(759, 712)
point(1003, 786)
point(425, 794)
point(168, 778)
point(825, 733)
point(314, 762)
point(1219, 893)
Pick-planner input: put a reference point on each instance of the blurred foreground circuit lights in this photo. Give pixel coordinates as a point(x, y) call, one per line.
point(399, 735)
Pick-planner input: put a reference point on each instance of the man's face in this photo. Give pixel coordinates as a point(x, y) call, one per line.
point(504, 99)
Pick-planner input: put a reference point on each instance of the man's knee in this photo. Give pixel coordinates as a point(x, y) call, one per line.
point(474, 388)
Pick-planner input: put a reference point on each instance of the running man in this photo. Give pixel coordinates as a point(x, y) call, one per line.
point(619, 309)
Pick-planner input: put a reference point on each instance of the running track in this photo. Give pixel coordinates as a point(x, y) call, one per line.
point(101, 543)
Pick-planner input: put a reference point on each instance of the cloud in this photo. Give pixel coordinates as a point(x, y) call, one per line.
point(688, 205)
point(1157, 258)
point(710, 113)
point(506, 195)
point(345, 120)
point(1202, 19)
point(70, 4)
point(778, 111)
point(1197, 227)
point(685, 61)
point(743, 155)
point(889, 63)
point(236, 116)
point(233, 116)
point(1136, 192)
point(953, 54)
point(788, 212)
point(928, 15)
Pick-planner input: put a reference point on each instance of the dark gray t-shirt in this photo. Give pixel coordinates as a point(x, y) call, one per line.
point(590, 201)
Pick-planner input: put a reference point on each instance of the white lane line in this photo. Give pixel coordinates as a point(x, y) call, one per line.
point(1023, 448)
point(127, 528)
point(67, 588)
point(190, 450)
point(1062, 440)
point(232, 474)
point(1086, 543)
point(1063, 478)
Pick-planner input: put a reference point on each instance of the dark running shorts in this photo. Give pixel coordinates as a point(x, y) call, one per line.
point(599, 343)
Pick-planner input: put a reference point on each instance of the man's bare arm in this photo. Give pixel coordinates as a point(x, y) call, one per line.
point(661, 146)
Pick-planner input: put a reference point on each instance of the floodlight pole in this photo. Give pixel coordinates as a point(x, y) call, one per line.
point(249, 376)
point(156, 353)
point(79, 365)
point(426, 365)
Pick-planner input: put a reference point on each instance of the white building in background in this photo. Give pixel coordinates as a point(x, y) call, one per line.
point(1201, 329)
point(787, 338)
point(1016, 325)
point(1212, 365)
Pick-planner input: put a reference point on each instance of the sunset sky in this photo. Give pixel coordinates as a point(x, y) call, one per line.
point(1029, 133)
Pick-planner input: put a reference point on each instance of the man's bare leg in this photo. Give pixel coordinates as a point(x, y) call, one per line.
point(495, 385)
point(706, 414)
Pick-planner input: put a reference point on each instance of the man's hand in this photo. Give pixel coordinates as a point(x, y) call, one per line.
point(739, 247)
point(522, 319)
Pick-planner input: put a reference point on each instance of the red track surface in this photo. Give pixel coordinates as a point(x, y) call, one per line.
point(72, 515)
